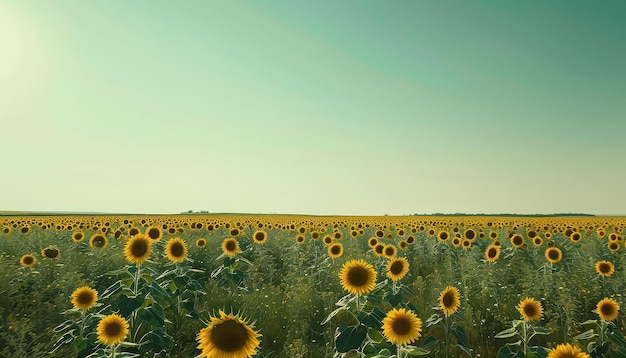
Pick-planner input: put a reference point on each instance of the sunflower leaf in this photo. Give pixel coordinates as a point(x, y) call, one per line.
point(507, 333)
point(415, 351)
point(586, 335)
point(350, 337)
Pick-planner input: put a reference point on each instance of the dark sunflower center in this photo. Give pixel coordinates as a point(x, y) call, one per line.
point(229, 336)
point(448, 299)
point(52, 253)
point(470, 234)
point(604, 267)
point(518, 240)
point(85, 298)
point(153, 233)
point(201, 243)
point(607, 309)
point(443, 236)
point(113, 329)
point(389, 251)
point(98, 241)
point(530, 310)
point(358, 276)
point(78, 236)
point(396, 267)
point(401, 326)
point(133, 232)
point(492, 252)
point(139, 248)
point(231, 245)
point(553, 254)
point(379, 249)
point(28, 260)
point(335, 250)
point(177, 249)
point(259, 236)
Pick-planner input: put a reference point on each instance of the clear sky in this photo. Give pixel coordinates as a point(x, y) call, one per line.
point(316, 107)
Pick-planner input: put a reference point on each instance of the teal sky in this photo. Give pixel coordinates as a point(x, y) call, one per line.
point(327, 107)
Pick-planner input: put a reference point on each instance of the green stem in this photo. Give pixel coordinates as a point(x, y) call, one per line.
point(113, 351)
point(525, 343)
point(399, 351)
point(446, 330)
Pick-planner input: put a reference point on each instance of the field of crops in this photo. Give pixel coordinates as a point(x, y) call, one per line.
point(308, 286)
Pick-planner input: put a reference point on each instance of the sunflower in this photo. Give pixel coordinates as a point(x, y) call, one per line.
point(607, 309)
point(537, 241)
point(553, 254)
point(112, 329)
point(492, 253)
point(260, 237)
point(389, 251)
point(98, 240)
point(470, 234)
point(227, 337)
point(614, 246)
point(379, 249)
point(567, 351)
point(78, 236)
point(466, 244)
point(335, 250)
point(300, 239)
point(84, 298)
point(230, 246)
point(357, 276)
point(28, 260)
point(456, 242)
point(201, 242)
point(138, 248)
point(575, 237)
point(176, 250)
point(397, 268)
point(50, 252)
point(605, 268)
point(133, 231)
point(328, 240)
point(517, 240)
point(493, 235)
point(443, 236)
point(403, 245)
point(154, 233)
point(530, 309)
point(372, 242)
point(449, 300)
point(402, 326)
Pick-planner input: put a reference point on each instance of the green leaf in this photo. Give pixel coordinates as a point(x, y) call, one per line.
point(589, 321)
point(433, 319)
point(349, 337)
point(464, 350)
point(415, 351)
point(335, 313)
point(153, 315)
point(616, 337)
point(128, 305)
point(507, 333)
point(372, 319)
point(586, 335)
point(430, 342)
point(459, 333)
point(542, 331)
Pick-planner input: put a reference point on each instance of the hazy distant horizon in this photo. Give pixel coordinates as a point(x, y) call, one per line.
point(327, 108)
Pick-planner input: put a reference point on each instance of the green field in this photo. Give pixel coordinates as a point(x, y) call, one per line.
point(287, 288)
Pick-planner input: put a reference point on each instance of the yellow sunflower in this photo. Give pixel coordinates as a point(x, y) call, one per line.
point(397, 268)
point(98, 240)
point(530, 309)
point(607, 309)
point(112, 329)
point(230, 246)
point(154, 233)
point(553, 254)
point(176, 250)
point(517, 241)
point(389, 251)
point(357, 276)
point(443, 236)
point(228, 337)
point(567, 351)
point(614, 246)
point(78, 236)
point(402, 326)
point(372, 242)
point(605, 268)
point(138, 248)
point(260, 237)
point(335, 250)
point(201, 242)
point(84, 298)
point(51, 252)
point(449, 300)
point(28, 260)
point(492, 253)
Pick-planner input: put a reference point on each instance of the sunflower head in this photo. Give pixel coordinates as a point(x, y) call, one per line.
point(228, 336)
point(230, 246)
point(335, 250)
point(28, 260)
point(517, 241)
point(530, 309)
point(201, 242)
point(51, 252)
point(607, 309)
point(138, 248)
point(260, 237)
point(84, 298)
point(553, 254)
point(155, 233)
point(443, 236)
point(450, 300)
point(401, 326)
point(98, 240)
point(389, 251)
point(112, 329)
point(78, 236)
point(397, 268)
point(492, 253)
point(567, 351)
point(176, 250)
point(358, 277)
point(605, 268)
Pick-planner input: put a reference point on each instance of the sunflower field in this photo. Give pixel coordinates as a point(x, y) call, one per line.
point(310, 286)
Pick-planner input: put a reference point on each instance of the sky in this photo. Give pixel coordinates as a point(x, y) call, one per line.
point(323, 108)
